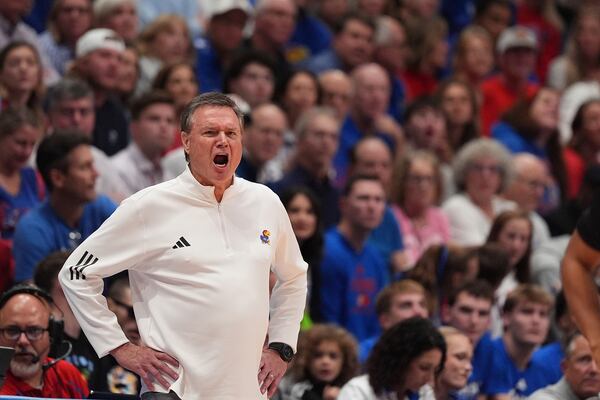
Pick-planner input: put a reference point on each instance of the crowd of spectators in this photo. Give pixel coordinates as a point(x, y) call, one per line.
point(433, 156)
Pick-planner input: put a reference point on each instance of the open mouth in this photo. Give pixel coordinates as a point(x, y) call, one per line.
point(221, 160)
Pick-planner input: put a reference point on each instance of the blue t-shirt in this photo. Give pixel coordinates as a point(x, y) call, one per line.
point(310, 37)
point(365, 347)
point(387, 237)
point(42, 232)
point(397, 97)
point(323, 61)
point(350, 282)
point(208, 67)
point(513, 141)
point(551, 355)
point(482, 356)
point(505, 378)
point(13, 207)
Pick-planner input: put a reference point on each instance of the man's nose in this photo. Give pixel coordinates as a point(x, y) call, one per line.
point(222, 138)
point(22, 339)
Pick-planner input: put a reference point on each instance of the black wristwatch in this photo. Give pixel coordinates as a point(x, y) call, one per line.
point(285, 351)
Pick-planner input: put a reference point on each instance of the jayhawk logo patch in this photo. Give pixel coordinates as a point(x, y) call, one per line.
point(265, 237)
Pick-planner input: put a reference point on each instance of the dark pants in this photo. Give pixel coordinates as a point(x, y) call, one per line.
point(160, 396)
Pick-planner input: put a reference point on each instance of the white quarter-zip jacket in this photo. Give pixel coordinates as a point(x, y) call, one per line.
point(199, 273)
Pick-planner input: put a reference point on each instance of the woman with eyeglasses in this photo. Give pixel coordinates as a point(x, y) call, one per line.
point(67, 22)
point(481, 171)
point(416, 193)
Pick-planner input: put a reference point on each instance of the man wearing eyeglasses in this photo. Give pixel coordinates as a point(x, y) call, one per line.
point(527, 190)
point(24, 322)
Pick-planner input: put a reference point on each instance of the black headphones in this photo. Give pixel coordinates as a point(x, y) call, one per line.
point(55, 327)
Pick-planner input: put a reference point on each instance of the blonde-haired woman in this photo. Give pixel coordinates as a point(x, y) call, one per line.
point(164, 42)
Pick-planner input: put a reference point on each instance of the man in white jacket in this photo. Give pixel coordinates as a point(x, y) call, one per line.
point(199, 249)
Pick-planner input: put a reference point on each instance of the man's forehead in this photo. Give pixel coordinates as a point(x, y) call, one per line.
point(373, 150)
point(213, 115)
point(408, 295)
point(528, 304)
point(465, 297)
point(67, 103)
point(24, 306)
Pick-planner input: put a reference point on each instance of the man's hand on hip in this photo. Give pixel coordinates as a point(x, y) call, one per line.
point(151, 365)
point(271, 370)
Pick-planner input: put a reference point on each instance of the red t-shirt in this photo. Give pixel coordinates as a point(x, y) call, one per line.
point(497, 98)
point(7, 264)
point(62, 380)
point(418, 84)
point(575, 167)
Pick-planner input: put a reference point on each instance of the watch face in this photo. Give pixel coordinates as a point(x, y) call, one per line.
point(287, 352)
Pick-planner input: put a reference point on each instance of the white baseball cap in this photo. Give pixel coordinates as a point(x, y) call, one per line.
point(516, 36)
point(100, 38)
point(220, 7)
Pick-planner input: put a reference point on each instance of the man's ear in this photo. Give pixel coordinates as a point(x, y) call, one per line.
point(384, 321)
point(563, 365)
point(57, 178)
point(185, 140)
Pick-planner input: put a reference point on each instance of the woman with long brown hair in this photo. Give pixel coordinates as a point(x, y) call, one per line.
point(21, 77)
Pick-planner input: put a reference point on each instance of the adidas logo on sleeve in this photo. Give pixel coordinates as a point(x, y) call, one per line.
point(181, 243)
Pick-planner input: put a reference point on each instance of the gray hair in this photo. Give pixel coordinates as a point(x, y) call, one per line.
point(569, 343)
point(307, 116)
point(210, 99)
point(481, 148)
point(383, 29)
point(104, 8)
point(67, 89)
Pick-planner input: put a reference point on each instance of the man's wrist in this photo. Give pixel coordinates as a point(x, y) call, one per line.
point(115, 352)
point(285, 351)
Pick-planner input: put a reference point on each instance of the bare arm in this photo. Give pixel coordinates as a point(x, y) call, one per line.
point(577, 270)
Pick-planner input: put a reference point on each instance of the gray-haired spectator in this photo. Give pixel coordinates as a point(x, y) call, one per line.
point(391, 52)
point(98, 61)
point(68, 20)
point(336, 91)
point(481, 171)
point(526, 188)
point(581, 378)
point(70, 106)
point(118, 15)
point(318, 134)
point(263, 140)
